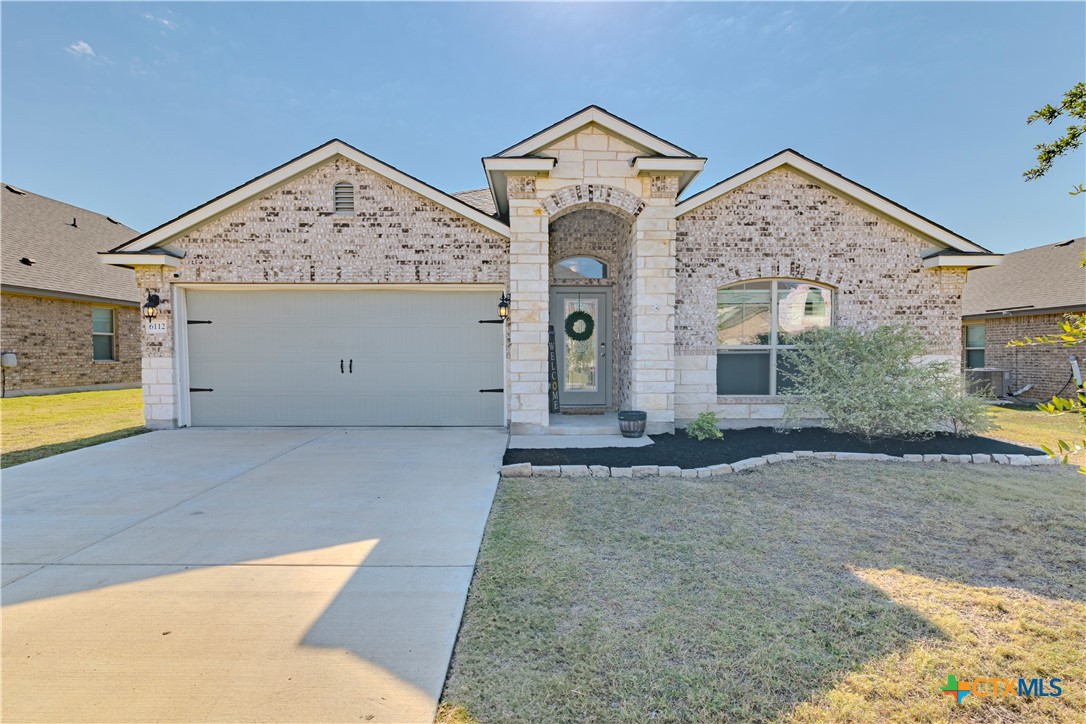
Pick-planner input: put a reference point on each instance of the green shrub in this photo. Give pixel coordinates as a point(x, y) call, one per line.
point(704, 427)
point(873, 384)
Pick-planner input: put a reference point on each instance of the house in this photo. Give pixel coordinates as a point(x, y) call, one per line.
point(1025, 296)
point(339, 290)
point(71, 323)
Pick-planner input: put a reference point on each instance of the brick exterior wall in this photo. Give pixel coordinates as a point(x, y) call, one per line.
point(52, 338)
point(292, 235)
point(1046, 367)
point(783, 224)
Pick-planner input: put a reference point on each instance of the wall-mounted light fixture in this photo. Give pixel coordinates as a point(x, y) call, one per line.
point(503, 306)
point(150, 307)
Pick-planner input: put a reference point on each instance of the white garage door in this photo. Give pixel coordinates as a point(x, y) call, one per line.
point(344, 357)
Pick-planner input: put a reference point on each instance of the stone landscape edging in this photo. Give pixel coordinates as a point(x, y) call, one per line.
point(528, 470)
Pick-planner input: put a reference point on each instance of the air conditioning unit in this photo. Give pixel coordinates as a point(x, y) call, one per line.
point(986, 380)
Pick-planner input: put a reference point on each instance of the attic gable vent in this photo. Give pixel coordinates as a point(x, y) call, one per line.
point(343, 198)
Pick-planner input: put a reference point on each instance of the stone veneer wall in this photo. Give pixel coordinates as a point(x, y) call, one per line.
point(1046, 367)
point(786, 225)
point(593, 169)
point(292, 235)
point(52, 339)
point(604, 235)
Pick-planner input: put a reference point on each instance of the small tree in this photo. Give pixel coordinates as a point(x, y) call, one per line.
point(1072, 334)
point(871, 384)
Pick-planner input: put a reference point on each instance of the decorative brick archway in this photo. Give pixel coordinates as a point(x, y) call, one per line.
point(607, 198)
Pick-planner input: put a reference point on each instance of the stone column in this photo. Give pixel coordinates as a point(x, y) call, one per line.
point(653, 359)
point(529, 309)
point(159, 373)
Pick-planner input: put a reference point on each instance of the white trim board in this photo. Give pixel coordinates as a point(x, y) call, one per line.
point(840, 184)
point(496, 287)
point(287, 172)
point(971, 261)
point(130, 260)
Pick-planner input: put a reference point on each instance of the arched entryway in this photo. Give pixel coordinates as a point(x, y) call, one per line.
point(591, 265)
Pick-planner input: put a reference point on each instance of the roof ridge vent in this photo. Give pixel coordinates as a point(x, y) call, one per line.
point(1067, 243)
point(111, 220)
point(14, 190)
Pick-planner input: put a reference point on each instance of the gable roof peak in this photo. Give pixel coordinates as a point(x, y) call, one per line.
point(600, 116)
point(286, 172)
point(829, 178)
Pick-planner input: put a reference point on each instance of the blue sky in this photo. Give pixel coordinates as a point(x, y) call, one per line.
point(143, 111)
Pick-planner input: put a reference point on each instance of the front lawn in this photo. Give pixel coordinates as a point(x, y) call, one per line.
point(809, 591)
point(40, 426)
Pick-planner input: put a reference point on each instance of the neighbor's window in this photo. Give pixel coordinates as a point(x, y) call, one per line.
point(755, 321)
point(974, 346)
point(103, 334)
point(580, 267)
point(343, 201)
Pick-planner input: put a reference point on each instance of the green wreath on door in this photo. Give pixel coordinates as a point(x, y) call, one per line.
point(571, 326)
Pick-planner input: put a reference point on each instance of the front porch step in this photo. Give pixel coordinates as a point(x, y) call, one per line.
point(606, 424)
point(537, 442)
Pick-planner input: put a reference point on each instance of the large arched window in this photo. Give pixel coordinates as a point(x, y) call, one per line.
point(756, 320)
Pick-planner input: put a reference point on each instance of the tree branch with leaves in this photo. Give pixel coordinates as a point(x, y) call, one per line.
point(1073, 106)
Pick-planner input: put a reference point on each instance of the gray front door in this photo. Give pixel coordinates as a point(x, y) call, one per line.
point(584, 365)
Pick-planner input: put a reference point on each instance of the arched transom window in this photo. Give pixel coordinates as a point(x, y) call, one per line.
point(580, 267)
point(343, 198)
point(756, 320)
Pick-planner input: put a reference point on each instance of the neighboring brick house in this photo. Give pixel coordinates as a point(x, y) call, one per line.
point(1025, 296)
point(338, 290)
point(72, 323)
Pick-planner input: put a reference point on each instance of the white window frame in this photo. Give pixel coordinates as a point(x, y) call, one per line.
point(336, 197)
point(969, 349)
point(112, 335)
point(773, 347)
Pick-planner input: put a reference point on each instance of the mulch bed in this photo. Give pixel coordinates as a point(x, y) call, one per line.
point(686, 452)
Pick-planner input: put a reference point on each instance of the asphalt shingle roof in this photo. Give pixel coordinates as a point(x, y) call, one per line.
point(65, 257)
point(1044, 277)
point(480, 199)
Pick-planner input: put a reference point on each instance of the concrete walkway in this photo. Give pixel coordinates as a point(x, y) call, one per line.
point(279, 574)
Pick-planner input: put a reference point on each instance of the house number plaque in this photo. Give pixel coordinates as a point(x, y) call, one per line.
point(156, 327)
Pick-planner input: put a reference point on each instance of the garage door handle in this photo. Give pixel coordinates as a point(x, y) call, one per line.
point(494, 389)
point(341, 366)
point(350, 367)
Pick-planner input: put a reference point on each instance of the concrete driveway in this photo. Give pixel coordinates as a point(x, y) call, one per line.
point(273, 574)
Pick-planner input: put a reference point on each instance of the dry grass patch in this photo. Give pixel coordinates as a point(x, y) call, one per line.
point(1030, 426)
point(786, 592)
point(39, 426)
